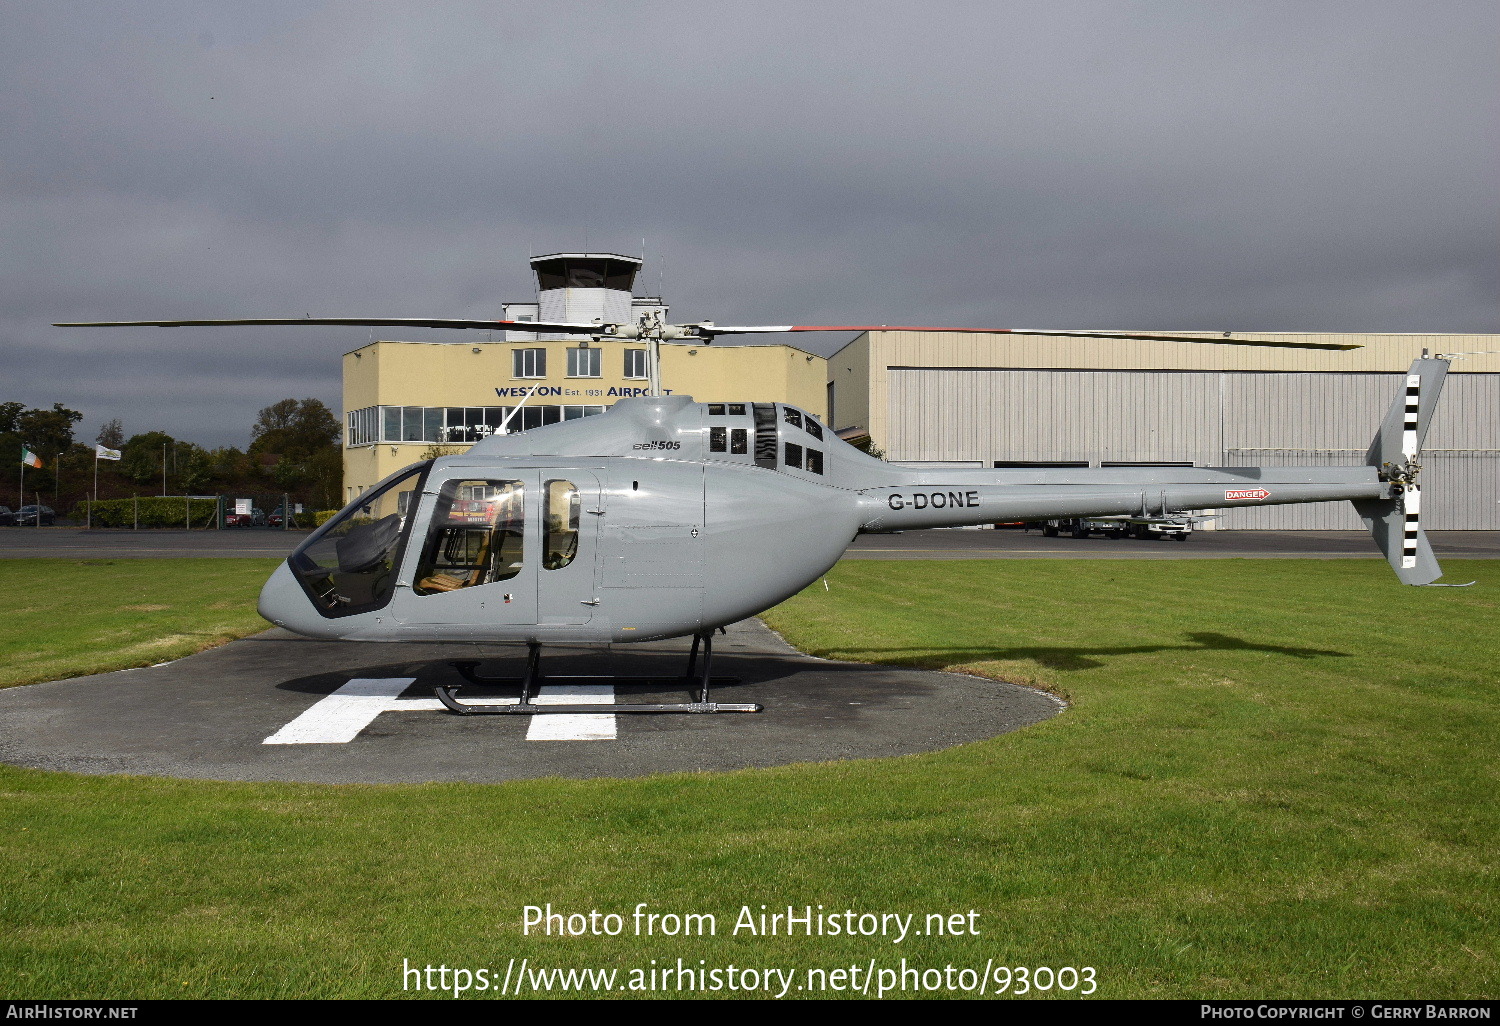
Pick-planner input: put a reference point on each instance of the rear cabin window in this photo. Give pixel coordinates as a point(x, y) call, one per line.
point(793, 455)
point(736, 409)
point(475, 537)
point(560, 540)
point(815, 461)
point(718, 440)
point(716, 409)
point(739, 441)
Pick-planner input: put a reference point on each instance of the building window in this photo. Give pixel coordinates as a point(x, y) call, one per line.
point(364, 426)
point(454, 424)
point(583, 363)
point(635, 363)
point(529, 363)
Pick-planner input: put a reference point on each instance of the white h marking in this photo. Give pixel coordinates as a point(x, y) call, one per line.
point(338, 718)
point(574, 726)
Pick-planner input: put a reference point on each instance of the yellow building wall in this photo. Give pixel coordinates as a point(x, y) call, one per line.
point(455, 374)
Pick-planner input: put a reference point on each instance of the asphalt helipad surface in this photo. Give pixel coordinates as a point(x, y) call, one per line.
point(344, 713)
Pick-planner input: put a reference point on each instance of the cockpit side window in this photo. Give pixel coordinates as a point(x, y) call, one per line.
point(349, 565)
point(476, 536)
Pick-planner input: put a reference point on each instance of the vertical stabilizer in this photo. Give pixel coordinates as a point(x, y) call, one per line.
point(1396, 522)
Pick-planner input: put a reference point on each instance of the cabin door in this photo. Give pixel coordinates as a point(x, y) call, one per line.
point(474, 553)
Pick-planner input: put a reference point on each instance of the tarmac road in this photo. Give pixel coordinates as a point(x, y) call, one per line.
point(70, 543)
point(210, 715)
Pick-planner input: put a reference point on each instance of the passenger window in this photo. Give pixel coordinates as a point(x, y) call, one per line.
point(791, 416)
point(717, 439)
point(560, 544)
point(716, 409)
point(813, 427)
point(475, 537)
point(739, 441)
point(815, 461)
point(793, 454)
point(736, 409)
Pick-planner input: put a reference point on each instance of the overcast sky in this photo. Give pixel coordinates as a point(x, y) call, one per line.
point(1242, 165)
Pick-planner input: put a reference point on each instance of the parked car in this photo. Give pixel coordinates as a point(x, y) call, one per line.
point(1145, 528)
point(274, 520)
point(255, 518)
point(34, 516)
point(7, 517)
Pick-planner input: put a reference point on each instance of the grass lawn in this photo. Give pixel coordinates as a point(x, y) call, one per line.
point(69, 617)
point(1277, 779)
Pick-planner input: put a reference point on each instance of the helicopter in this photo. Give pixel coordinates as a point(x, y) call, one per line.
point(664, 517)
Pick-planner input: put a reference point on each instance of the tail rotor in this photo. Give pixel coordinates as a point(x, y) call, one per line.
point(1396, 522)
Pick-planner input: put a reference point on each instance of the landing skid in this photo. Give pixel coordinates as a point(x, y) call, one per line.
point(697, 684)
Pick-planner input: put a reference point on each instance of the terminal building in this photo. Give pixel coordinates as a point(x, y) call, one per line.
point(407, 401)
point(958, 399)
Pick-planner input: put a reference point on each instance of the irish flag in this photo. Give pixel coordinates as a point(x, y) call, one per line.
point(30, 458)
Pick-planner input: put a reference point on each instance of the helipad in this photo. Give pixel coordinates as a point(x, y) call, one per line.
point(281, 707)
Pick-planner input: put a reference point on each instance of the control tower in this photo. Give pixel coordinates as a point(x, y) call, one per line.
point(581, 288)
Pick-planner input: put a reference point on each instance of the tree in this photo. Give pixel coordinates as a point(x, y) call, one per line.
point(141, 458)
point(294, 430)
point(48, 431)
point(193, 468)
point(112, 434)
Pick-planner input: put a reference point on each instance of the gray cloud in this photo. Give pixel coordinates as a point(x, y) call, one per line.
point(1245, 165)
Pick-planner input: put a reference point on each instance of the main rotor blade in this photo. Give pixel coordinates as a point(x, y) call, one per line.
point(373, 322)
point(715, 329)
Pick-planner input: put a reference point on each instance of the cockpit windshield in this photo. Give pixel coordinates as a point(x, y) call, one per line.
point(349, 565)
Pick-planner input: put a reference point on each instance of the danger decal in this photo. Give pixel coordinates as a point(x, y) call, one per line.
point(1246, 493)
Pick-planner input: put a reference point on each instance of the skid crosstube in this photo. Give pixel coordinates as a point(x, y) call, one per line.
point(698, 685)
point(445, 695)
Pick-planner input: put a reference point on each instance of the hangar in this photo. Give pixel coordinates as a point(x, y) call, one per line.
point(1019, 400)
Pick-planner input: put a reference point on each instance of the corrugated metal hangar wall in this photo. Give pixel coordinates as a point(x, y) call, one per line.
point(1208, 418)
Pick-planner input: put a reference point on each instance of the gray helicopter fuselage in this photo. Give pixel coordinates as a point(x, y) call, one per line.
point(664, 517)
